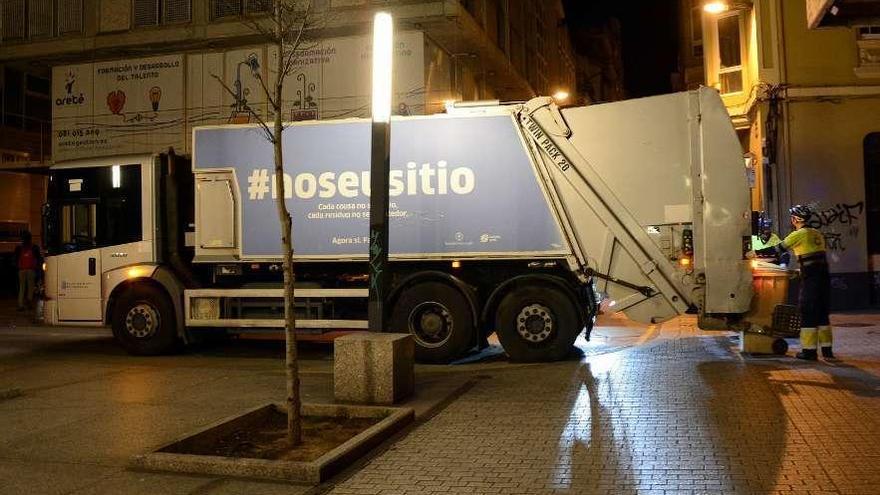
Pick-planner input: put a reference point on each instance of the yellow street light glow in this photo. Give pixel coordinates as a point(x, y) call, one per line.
point(716, 7)
point(560, 96)
point(382, 55)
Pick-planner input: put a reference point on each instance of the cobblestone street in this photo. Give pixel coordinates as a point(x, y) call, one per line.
point(667, 409)
point(684, 413)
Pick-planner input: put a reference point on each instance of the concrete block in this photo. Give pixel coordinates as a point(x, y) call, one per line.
point(373, 368)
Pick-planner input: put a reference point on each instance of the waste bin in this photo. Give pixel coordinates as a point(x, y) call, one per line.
point(771, 318)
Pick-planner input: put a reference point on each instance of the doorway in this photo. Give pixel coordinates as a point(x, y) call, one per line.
point(872, 210)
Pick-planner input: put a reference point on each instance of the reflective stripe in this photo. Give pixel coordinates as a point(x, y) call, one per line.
point(825, 336)
point(808, 338)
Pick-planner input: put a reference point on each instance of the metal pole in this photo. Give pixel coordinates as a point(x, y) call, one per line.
point(380, 164)
point(379, 169)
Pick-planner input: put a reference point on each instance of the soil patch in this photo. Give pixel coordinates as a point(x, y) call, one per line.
point(267, 439)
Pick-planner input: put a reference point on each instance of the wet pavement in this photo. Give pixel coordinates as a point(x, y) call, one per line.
point(661, 409)
point(681, 413)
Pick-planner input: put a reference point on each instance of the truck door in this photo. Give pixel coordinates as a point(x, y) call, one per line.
point(92, 210)
point(79, 274)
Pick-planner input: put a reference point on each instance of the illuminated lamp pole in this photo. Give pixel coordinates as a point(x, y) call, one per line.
point(380, 164)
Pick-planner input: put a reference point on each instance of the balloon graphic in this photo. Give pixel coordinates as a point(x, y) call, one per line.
point(116, 101)
point(155, 96)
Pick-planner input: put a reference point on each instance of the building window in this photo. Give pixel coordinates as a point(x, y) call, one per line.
point(697, 32)
point(868, 40)
point(39, 19)
point(154, 12)
point(224, 9)
point(177, 11)
point(145, 13)
point(14, 19)
point(730, 69)
point(869, 32)
point(70, 16)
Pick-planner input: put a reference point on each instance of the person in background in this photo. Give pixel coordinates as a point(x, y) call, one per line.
point(29, 262)
point(766, 239)
point(808, 245)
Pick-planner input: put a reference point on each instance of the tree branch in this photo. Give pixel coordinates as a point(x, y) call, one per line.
point(270, 136)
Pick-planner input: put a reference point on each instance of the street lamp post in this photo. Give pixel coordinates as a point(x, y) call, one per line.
point(380, 164)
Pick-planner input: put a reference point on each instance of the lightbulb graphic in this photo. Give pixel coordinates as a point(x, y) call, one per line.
point(155, 96)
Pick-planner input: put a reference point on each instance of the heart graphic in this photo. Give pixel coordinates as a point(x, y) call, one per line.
point(116, 101)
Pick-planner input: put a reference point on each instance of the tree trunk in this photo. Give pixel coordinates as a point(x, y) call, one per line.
point(294, 421)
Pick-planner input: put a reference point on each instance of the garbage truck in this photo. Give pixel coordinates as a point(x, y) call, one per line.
point(514, 219)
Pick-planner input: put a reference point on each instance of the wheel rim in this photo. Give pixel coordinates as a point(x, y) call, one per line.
point(142, 321)
point(431, 324)
point(534, 323)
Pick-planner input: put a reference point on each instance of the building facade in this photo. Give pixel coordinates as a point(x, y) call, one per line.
point(452, 49)
point(82, 79)
point(805, 100)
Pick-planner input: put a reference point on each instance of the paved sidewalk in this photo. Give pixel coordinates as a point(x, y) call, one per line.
point(682, 414)
point(667, 409)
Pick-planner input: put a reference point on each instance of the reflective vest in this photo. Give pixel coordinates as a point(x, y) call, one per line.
point(758, 244)
point(805, 241)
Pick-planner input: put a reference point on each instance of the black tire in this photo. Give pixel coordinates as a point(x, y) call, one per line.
point(143, 321)
point(537, 323)
point(440, 319)
point(780, 347)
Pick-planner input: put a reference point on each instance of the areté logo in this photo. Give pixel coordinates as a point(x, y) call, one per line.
point(70, 98)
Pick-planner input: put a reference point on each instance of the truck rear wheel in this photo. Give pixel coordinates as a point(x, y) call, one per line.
point(143, 321)
point(438, 317)
point(537, 323)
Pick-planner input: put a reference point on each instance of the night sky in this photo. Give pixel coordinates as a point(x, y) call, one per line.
point(650, 38)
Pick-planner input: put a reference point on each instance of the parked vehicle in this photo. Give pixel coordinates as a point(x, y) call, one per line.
point(504, 218)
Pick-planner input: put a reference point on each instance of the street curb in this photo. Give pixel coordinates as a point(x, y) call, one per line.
point(321, 469)
point(9, 393)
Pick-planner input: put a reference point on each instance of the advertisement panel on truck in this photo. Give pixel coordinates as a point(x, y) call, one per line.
point(457, 185)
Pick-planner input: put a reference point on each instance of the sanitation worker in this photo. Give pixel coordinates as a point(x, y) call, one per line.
point(766, 238)
point(808, 244)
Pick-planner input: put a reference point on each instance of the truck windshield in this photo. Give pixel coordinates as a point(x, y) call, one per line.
point(93, 207)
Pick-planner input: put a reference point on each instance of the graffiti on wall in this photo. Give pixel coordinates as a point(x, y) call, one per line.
point(840, 214)
point(839, 224)
point(834, 241)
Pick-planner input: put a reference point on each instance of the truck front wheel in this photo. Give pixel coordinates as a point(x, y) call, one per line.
point(537, 323)
point(439, 318)
point(143, 321)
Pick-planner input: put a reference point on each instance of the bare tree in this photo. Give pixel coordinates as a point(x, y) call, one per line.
point(287, 28)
